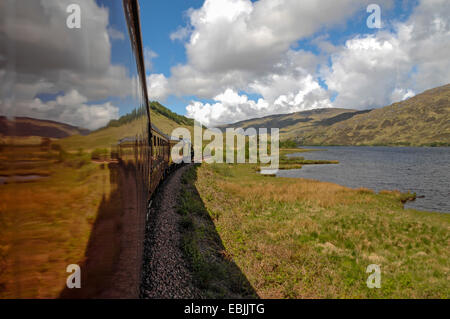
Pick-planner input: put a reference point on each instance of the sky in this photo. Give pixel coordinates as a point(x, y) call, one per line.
point(219, 61)
point(223, 61)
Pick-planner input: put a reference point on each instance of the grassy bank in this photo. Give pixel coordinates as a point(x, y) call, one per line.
point(202, 246)
point(296, 238)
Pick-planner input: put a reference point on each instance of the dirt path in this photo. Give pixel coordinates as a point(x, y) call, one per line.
point(165, 271)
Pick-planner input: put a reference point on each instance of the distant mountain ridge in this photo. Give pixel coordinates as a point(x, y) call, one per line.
point(26, 126)
point(419, 121)
point(305, 119)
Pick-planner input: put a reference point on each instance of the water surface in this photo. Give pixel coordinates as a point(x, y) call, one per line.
point(423, 170)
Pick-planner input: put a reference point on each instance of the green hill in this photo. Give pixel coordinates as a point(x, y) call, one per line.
point(299, 121)
point(26, 127)
point(419, 121)
point(128, 125)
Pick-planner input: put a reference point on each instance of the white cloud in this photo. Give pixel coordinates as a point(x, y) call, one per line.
point(181, 34)
point(401, 95)
point(42, 56)
point(237, 45)
point(71, 108)
point(240, 46)
point(233, 42)
point(231, 107)
point(241, 35)
point(365, 69)
point(149, 55)
point(115, 34)
point(376, 70)
point(157, 86)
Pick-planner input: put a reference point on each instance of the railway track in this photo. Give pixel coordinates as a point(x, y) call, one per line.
point(165, 272)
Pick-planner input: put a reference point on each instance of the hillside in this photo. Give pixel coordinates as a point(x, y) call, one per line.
point(25, 126)
point(31, 130)
point(127, 125)
point(419, 121)
point(303, 121)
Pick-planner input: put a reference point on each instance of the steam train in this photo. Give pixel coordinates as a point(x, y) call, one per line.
point(71, 69)
point(157, 161)
point(151, 150)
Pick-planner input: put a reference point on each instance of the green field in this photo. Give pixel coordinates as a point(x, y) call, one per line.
point(297, 238)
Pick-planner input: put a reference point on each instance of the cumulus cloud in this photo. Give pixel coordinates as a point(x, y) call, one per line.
point(401, 95)
point(365, 69)
point(375, 70)
point(157, 85)
point(238, 45)
point(232, 42)
point(115, 34)
point(239, 34)
point(149, 55)
point(231, 107)
point(71, 108)
point(181, 34)
point(242, 46)
point(43, 56)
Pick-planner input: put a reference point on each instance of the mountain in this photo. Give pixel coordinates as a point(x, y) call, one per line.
point(156, 107)
point(304, 120)
point(128, 125)
point(419, 121)
point(25, 126)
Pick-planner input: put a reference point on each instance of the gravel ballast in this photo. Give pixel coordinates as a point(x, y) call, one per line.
point(166, 273)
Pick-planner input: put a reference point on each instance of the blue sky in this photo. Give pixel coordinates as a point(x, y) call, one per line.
point(224, 61)
point(158, 20)
point(213, 98)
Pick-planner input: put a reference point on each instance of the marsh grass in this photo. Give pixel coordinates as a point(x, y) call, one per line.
point(297, 238)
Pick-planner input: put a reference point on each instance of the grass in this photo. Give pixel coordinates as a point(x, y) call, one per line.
point(419, 121)
point(213, 270)
point(105, 138)
point(297, 238)
point(296, 162)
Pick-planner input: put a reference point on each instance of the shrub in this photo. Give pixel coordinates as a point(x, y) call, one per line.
point(288, 144)
point(99, 154)
point(62, 155)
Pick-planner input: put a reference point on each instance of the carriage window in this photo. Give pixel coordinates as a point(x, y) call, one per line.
point(158, 146)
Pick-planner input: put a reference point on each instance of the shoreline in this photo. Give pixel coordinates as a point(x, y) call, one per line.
point(374, 188)
point(288, 235)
